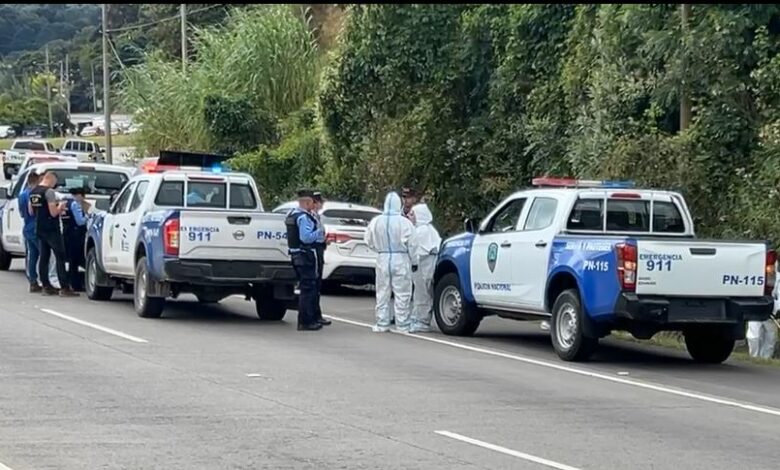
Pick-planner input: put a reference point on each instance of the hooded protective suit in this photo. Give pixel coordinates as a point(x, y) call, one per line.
point(762, 335)
point(392, 236)
point(428, 242)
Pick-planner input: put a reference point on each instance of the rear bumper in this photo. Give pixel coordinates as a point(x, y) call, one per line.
point(227, 273)
point(356, 275)
point(687, 310)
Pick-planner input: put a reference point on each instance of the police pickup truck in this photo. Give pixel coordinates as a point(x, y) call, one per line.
point(595, 257)
point(199, 232)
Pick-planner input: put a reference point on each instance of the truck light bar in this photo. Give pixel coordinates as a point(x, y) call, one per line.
point(575, 183)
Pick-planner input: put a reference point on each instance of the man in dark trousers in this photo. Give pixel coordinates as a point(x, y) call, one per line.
point(30, 239)
point(302, 234)
point(320, 246)
point(74, 231)
point(47, 210)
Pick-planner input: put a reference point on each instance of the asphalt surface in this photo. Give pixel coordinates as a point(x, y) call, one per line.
point(88, 385)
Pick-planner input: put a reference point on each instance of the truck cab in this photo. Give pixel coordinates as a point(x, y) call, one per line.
point(593, 257)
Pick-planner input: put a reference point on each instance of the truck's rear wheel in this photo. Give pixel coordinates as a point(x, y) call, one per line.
point(711, 345)
point(566, 328)
point(270, 309)
point(145, 306)
point(93, 271)
point(5, 259)
point(454, 315)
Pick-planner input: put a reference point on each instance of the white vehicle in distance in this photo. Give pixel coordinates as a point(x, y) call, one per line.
point(13, 157)
point(348, 260)
point(39, 158)
point(101, 182)
point(84, 150)
point(89, 131)
point(7, 132)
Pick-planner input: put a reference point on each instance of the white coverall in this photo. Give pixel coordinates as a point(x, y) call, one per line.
point(428, 242)
point(392, 236)
point(762, 335)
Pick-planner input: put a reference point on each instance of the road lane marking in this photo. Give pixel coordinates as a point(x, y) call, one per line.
point(104, 329)
point(583, 372)
point(3, 467)
point(504, 450)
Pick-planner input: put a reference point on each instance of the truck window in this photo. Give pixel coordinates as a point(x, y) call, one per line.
point(667, 218)
point(628, 216)
point(171, 193)
point(97, 182)
point(507, 218)
point(138, 197)
point(587, 214)
point(242, 197)
point(541, 214)
point(206, 194)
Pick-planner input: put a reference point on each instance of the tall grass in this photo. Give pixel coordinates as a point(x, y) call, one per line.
point(265, 54)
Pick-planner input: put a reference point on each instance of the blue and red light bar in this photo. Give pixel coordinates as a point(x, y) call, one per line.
point(576, 183)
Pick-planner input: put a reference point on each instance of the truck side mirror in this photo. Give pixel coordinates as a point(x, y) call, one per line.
point(470, 225)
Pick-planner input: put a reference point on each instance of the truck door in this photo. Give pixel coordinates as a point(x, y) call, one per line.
point(129, 226)
point(112, 239)
point(531, 246)
point(491, 255)
point(13, 238)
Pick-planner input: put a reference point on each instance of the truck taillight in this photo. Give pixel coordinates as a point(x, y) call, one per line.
point(770, 275)
point(626, 268)
point(336, 237)
point(171, 237)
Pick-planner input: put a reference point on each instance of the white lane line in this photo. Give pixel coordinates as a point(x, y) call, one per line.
point(504, 450)
point(586, 373)
point(3, 467)
point(104, 329)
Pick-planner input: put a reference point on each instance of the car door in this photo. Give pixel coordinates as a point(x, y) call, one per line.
point(111, 243)
point(13, 238)
point(531, 246)
point(491, 255)
point(129, 227)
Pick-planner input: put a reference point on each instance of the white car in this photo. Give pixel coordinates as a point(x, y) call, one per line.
point(38, 158)
point(13, 157)
point(348, 260)
point(100, 181)
point(89, 131)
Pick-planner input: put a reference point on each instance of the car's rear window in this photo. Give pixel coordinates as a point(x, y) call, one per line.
point(625, 215)
point(96, 182)
point(348, 217)
point(206, 194)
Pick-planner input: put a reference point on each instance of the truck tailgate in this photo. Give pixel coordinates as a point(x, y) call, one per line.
point(691, 268)
point(232, 235)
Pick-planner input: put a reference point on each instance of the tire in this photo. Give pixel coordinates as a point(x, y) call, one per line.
point(145, 306)
point(709, 345)
point(92, 270)
point(270, 309)
point(5, 259)
point(566, 328)
point(453, 315)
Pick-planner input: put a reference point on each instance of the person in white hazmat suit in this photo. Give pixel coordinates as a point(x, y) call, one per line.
point(762, 335)
point(428, 241)
point(392, 236)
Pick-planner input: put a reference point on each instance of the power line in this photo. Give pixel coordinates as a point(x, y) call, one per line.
point(164, 20)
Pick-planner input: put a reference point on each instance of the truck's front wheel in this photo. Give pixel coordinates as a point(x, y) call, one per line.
point(5, 259)
point(93, 272)
point(145, 306)
point(454, 315)
point(566, 327)
point(711, 345)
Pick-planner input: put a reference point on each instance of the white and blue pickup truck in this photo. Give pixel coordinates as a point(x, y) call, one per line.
point(594, 257)
point(190, 232)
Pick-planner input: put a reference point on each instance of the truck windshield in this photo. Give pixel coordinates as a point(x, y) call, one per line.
point(626, 216)
point(102, 183)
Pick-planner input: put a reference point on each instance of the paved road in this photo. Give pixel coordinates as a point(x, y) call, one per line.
point(89, 385)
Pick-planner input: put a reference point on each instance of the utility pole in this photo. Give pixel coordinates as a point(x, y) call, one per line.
point(67, 83)
point(48, 92)
point(94, 90)
point(183, 37)
point(685, 98)
point(106, 87)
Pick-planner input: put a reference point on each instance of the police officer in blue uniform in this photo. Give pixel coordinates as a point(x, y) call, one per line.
point(302, 235)
point(320, 246)
point(74, 231)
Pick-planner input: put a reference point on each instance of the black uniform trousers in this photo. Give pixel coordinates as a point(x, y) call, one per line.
point(74, 248)
point(305, 265)
point(320, 264)
point(51, 241)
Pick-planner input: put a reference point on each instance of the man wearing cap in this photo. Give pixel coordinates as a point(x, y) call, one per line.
point(320, 246)
point(74, 231)
point(302, 235)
